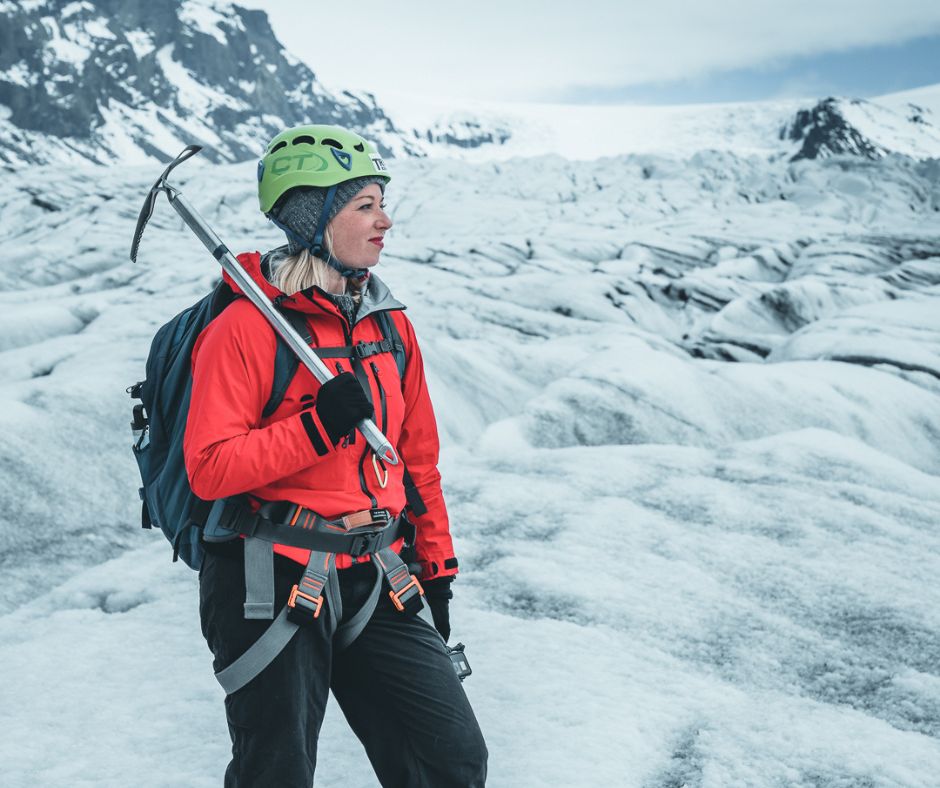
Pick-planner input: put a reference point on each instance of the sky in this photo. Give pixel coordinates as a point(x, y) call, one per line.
point(601, 51)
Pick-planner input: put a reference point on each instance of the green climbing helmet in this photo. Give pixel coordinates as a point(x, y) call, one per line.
point(314, 156)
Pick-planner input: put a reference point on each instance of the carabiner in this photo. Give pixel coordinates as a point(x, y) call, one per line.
point(382, 480)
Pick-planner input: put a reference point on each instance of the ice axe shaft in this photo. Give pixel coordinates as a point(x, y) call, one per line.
point(379, 443)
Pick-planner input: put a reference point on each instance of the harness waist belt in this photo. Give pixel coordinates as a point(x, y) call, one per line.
point(357, 534)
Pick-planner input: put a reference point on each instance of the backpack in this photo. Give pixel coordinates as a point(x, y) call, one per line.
point(159, 419)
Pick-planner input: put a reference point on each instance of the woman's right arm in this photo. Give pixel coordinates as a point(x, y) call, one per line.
point(226, 449)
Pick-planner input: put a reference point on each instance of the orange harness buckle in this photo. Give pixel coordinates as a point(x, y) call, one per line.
point(396, 596)
point(366, 518)
point(307, 602)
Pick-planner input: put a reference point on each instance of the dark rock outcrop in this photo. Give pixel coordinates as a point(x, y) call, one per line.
point(825, 132)
point(209, 72)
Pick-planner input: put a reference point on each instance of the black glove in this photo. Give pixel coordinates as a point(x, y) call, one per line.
point(437, 593)
point(341, 405)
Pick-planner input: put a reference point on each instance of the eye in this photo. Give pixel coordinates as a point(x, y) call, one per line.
point(383, 206)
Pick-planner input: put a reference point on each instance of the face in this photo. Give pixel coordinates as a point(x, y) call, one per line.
point(359, 228)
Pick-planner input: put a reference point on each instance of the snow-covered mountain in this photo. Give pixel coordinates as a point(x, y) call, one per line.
point(793, 129)
point(113, 81)
point(108, 81)
point(864, 128)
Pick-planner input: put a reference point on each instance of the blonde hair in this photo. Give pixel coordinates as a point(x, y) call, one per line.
point(296, 272)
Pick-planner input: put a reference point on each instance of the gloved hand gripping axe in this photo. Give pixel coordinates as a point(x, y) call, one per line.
point(380, 444)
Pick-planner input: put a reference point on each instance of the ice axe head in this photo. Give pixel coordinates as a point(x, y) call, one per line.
point(160, 186)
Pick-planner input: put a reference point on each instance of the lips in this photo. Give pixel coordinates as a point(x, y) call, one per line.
point(377, 241)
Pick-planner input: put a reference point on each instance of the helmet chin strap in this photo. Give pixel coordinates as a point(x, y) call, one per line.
point(316, 246)
point(356, 274)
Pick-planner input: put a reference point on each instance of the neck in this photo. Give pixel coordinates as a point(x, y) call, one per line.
point(335, 282)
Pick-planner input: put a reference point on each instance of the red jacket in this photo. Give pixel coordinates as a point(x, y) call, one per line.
point(230, 448)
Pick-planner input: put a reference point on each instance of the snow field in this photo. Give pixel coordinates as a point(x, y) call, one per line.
point(689, 411)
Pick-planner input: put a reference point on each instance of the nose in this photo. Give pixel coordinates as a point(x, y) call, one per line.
point(384, 221)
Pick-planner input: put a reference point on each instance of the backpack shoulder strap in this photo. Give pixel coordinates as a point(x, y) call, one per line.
point(285, 367)
point(285, 361)
point(390, 331)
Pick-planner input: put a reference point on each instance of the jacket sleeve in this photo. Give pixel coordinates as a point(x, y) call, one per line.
point(419, 448)
point(225, 448)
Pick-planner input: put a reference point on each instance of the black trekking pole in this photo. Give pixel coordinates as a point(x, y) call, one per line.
point(380, 444)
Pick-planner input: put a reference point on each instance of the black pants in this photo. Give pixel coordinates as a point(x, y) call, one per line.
point(395, 685)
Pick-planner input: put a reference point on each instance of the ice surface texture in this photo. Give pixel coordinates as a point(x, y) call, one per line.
point(690, 411)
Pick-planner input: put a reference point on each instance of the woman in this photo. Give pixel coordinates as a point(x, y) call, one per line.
point(395, 683)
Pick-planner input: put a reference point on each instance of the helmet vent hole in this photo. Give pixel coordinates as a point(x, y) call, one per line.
point(277, 147)
point(359, 147)
point(332, 143)
point(303, 138)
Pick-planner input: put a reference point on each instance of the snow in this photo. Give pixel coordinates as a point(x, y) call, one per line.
point(118, 141)
point(584, 132)
point(589, 132)
point(25, 325)
point(63, 47)
point(210, 17)
point(927, 98)
point(689, 407)
point(193, 95)
point(141, 41)
point(17, 142)
point(907, 332)
point(73, 8)
point(98, 29)
point(918, 139)
point(18, 74)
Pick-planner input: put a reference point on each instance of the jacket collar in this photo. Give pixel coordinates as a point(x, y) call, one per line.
point(376, 298)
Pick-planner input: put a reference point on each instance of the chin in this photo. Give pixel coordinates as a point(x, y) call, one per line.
point(360, 263)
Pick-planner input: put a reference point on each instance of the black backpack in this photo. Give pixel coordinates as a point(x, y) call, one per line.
point(159, 420)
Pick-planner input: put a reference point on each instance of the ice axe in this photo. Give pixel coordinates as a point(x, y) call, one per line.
point(380, 444)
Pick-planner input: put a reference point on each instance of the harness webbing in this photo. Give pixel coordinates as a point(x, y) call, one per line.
point(310, 531)
point(263, 651)
point(359, 350)
point(261, 654)
point(351, 629)
point(259, 579)
point(319, 583)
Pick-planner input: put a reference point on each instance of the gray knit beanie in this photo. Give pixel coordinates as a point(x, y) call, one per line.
point(300, 208)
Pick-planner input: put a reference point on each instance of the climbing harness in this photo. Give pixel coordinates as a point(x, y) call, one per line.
point(370, 532)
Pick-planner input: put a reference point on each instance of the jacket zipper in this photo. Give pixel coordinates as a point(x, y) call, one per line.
point(348, 435)
point(351, 438)
point(347, 332)
point(378, 382)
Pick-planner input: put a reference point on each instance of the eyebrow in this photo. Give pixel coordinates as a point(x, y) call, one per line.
point(366, 197)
